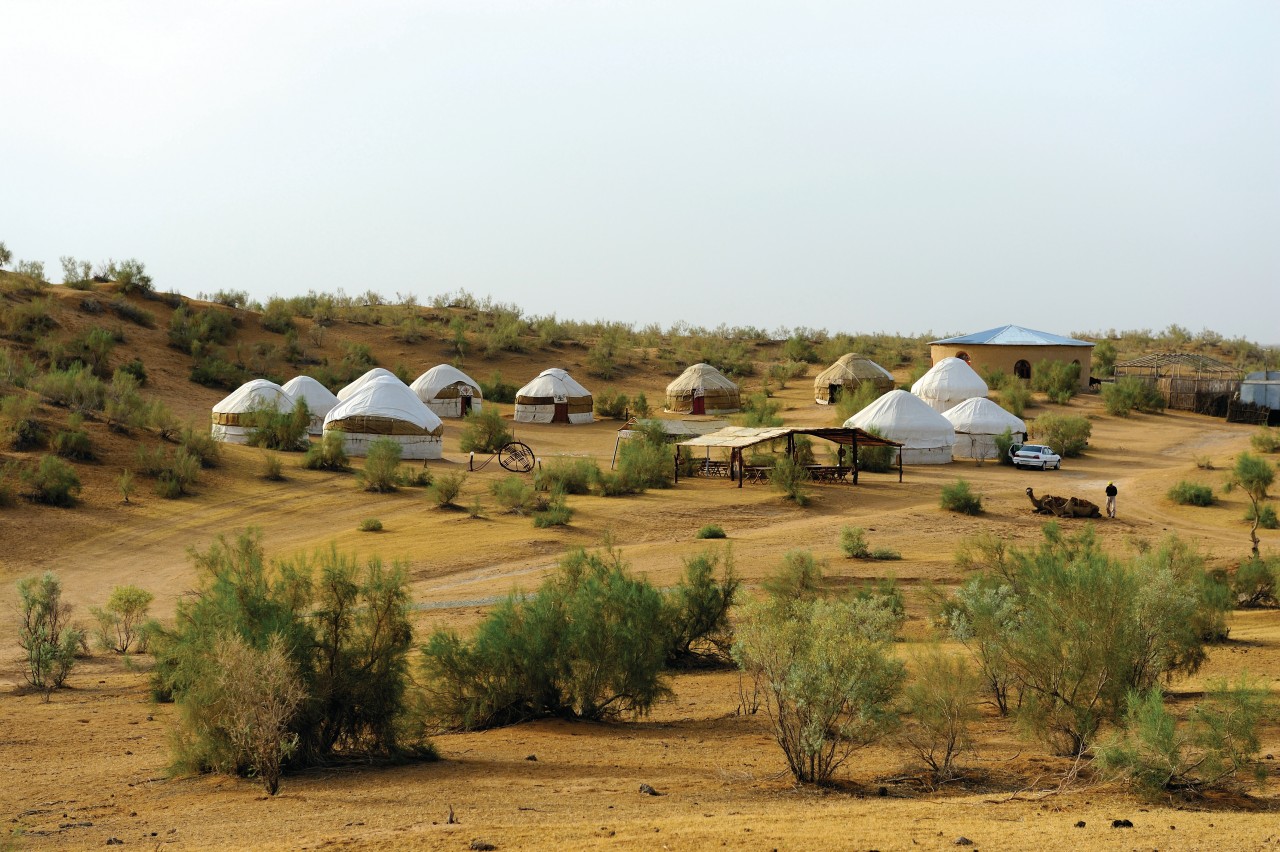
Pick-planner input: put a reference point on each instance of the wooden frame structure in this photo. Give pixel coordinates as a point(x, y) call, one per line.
point(738, 438)
point(1187, 381)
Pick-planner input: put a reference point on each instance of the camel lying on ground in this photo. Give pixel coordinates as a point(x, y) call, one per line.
point(1064, 507)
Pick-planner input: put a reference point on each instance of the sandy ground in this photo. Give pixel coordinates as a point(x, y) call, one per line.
point(90, 765)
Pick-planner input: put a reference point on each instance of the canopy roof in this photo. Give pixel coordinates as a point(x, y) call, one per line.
point(1178, 364)
point(429, 384)
point(1011, 335)
point(748, 436)
point(981, 416)
point(258, 393)
point(676, 428)
point(376, 372)
point(387, 398)
point(551, 383)
point(853, 368)
point(702, 376)
point(950, 378)
point(319, 399)
point(905, 418)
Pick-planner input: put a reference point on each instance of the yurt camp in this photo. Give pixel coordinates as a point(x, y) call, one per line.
point(948, 383)
point(319, 399)
point(926, 436)
point(375, 373)
point(702, 389)
point(977, 422)
point(233, 415)
point(385, 409)
point(448, 391)
point(846, 375)
point(553, 397)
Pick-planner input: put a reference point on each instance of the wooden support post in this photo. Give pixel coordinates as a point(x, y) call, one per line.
point(677, 466)
point(899, 464)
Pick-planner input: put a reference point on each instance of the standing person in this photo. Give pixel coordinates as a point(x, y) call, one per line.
point(1111, 499)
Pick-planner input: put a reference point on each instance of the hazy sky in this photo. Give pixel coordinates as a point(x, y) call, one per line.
point(887, 166)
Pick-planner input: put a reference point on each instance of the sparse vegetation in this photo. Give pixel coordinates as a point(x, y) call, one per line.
point(513, 494)
point(1191, 494)
point(381, 466)
point(121, 619)
point(555, 513)
point(959, 497)
point(447, 488)
point(328, 453)
point(711, 531)
point(272, 467)
point(1266, 440)
point(48, 639)
point(1128, 394)
point(53, 482)
point(1253, 475)
point(1058, 380)
point(371, 525)
point(791, 479)
point(567, 475)
point(1066, 433)
point(942, 700)
point(484, 431)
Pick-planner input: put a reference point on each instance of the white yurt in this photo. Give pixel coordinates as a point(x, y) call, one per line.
point(319, 399)
point(926, 436)
point(553, 397)
point(977, 422)
point(232, 416)
point(949, 383)
point(702, 389)
point(448, 391)
point(375, 373)
point(385, 408)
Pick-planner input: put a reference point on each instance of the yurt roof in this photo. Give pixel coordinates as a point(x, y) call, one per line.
point(906, 418)
point(701, 376)
point(852, 366)
point(385, 397)
point(439, 377)
point(254, 394)
point(1011, 335)
point(950, 378)
point(319, 399)
point(980, 416)
point(553, 382)
point(376, 372)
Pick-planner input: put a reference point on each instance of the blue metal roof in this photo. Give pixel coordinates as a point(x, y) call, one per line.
point(1013, 335)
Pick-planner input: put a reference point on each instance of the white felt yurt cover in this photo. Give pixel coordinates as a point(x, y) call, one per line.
point(926, 436)
point(385, 408)
point(950, 382)
point(444, 387)
point(319, 399)
point(375, 373)
point(977, 421)
point(537, 401)
point(231, 423)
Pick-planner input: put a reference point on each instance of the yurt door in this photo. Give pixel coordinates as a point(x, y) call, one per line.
point(561, 414)
point(833, 393)
point(699, 402)
point(464, 400)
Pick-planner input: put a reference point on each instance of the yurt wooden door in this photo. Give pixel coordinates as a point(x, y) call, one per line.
point(699, 402)
point(464, 401)
point(561, 414)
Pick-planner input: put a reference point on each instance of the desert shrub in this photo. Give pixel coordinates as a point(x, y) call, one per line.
point(828, 676)
point(76, 388)
point(496, 390)
point(447, 487)
point(612, 404)
point(642, 464)
point(123, 405)
point(1059, 380)
point(214, 371)
point(698, 611)
point(1104, 358)
point(21, 429)
point(278, 316)
point(1066, 433)
point(160, 418)
point(1264, 514)
point(1256, 582)
point(853, 543)
point(126, 310)
point(1191, 494)
point(343, 627)
point(556, 512)
point(710, 531)
point(785, 372)
point(1266, 440)
point(484, 431)
point(27, 322)
point(413, 477)
point(15, 368)
point(53, 482)
point(6, 255)
point(791, 479)
point(582, 647)
point(121, 618)
point(1128, 394)
point(272, 467)
point(959, 497)
point(8, 475)
point(179, 473)
point(1217, 747)
point(1014, 396)
point(371, 525)
point(131, 275)
point(850, 403)
point(567, 475)
point(942, 699)
point(885, 554)
point(759, 410)
point(33, 269)
point(327, 453)
point(513, 494)
point(73, 442)
point(273, 429)
point(1004, 441)
point(46, 635)
point(1253, 475)
point(193, 331)
point(381, 466)
point(877, 459)
point(799, 577)
point(200, 445)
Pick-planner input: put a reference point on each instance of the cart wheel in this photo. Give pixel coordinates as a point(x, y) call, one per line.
point(516, 457)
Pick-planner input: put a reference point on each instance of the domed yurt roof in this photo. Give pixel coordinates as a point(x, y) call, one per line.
point(383, 405)
point(319, 399)
point(429, 385)
point(551, 383)
point(981, 416)
point(255, 394)
point(907, 419)
point(719, 393)
point(855, 369)
point(950, 382)
point(376, 372)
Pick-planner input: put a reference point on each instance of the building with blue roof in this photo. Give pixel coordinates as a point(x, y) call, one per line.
point(1015, 349)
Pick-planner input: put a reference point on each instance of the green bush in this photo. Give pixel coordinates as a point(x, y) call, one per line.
point(513, 494)
point(1264, 514)
point(279, 430)
point(1104, 358)
point(853, 542)
point(877, 459)
point(194, 331)
point(1266, 440)
point(612, 404)
point(959, 497)
point(496, 390)
point(179, 473)
point(556, 513)
point(758, 410)
point(791, 479)
point(582, 647)
point(53, 482)
point(1128, 394)
point(1192, 494)
point(1004, 442)
point(642, 463)
point(278, 316)
point(123, 404)
point(200, 444)
point(327, 453)
point(73, 442)
point(1058, 380)
point(484, 431)
point(942, 699)
point(1256, 582)
point(850, 403)
point(381, 466)
point(76, 388)
point(126, 310)
point(711, 531)
point(272, 467)
point(21, 429)
point(1014, 396)
point(1253, 475)
point(698, 611)
point(120, 621)
point(214, 371)
point(1066, 433)
point(447, 487)
point(567, 475)
point(46, 635)
point(371, 525)
point(413, 477)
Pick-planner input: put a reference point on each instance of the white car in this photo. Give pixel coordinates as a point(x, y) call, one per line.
point(1035, 455)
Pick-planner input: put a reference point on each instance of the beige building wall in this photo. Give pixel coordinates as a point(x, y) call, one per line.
point(984, 357)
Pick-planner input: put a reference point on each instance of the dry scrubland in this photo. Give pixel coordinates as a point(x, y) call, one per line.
point(90, 765)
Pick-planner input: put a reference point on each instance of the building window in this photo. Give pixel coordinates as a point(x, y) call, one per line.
point(1022, 369)
point(963, 356)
